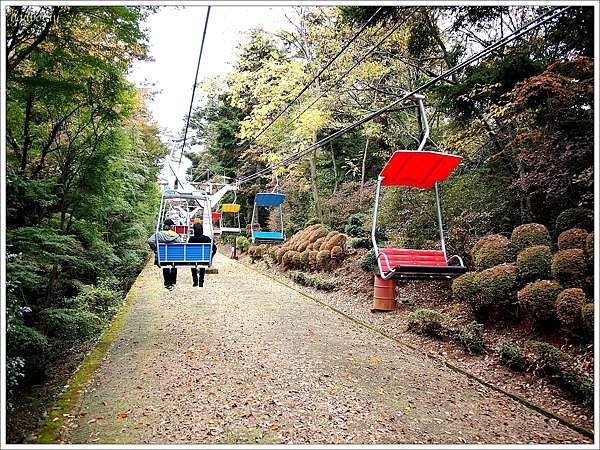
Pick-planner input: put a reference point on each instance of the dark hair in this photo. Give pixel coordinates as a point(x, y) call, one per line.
point(169, 222)
point(198, 229)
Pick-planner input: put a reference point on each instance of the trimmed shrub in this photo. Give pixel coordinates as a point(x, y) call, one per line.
point(356, 225)
point(497, 286)
point(587, 317)
point(368, 262)
point(312, 259)
point(22, 340)
point(242, 243)
point(337, 252)
point(484, 241)
point(538, 299)
point(572, 238)
point(534, 263)
point(471, 337)
point(512, 357)
point(310, 280)
point(493, 252)
point(465, 287)
point(575, 218)
point(569, 267)
point(323, 258)
point(589, 248)
point(361, 242)
point(426, 321)
point(530, 234)
point(304, 259)
point(581, 387)
point(548, 358)
point(568, 308)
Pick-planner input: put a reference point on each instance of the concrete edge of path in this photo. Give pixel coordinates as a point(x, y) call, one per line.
point(583, 431)
point(49, 431)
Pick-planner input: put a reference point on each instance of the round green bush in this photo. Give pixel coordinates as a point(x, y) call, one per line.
point(530, 234)
point(512, 357)
point(426, 321)
point(568, 308)
point(497, 285)
point(575, 218)
point(67, 326)
point(538, 299)
point(466, 287)
point(589, 248)
point(368, 262)
point(569, 267)
point(572, 238)
point(486, 240)
point(587, 317)
point(534, 262)
point(494, 252)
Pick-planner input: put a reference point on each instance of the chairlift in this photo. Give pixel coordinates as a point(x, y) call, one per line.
point(268, 200)
point(183, 253)
point(230, 210)
point(423, 170)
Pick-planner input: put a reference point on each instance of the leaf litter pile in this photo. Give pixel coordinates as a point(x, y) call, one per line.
point(246, 360)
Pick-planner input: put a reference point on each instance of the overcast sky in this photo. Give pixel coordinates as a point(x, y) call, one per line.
point(175, 35)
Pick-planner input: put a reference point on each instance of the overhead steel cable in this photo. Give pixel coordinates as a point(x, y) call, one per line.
point(345, 74)
point(315, 78)
point(187, 123)
point(530, 26)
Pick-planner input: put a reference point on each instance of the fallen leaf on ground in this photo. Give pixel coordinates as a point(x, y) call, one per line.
point(274, 426)
point(122, 414)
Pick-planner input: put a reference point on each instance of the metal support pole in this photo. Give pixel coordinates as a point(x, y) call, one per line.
point(440, 222)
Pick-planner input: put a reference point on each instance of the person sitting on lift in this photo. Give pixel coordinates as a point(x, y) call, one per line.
point(200, 238)
point(167, 235)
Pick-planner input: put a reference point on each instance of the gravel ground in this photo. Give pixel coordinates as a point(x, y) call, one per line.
point(248, 360)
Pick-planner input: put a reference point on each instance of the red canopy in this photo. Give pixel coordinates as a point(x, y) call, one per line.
point(420, 169)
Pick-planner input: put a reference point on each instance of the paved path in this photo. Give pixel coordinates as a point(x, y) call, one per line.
point(248, 360)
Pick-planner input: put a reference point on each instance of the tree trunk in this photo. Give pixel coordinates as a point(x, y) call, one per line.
point(313, 180)
point(364, 163)
point(335, 172)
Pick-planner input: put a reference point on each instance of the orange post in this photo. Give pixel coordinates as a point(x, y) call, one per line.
point(384, 294)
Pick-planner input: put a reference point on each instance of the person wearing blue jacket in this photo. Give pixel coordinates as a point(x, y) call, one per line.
point(167, 235)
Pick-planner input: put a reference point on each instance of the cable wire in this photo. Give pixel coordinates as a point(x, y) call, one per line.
point(530, 26)
point(315, 78)
point(187, 123)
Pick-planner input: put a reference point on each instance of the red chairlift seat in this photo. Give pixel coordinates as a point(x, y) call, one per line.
point(424, 170)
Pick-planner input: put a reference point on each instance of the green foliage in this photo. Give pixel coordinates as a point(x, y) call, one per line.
point(497, 286)
point(575, 218)
point(580, 386)
point(529, 235)
point(569, 304)
point(569, 267)
point(538, 299)
point(512, 357)
point(361, 242)
point(471, 337)
point(572, 238)
point(356, 225)
point(493, 252)
point(548, 358)
point(24, 341)
point(534, 263)
point(99, 301)
point(465, 288)
point(589, 248)
point(368, 262)
point(587, 318)
point(315, 281)
point(69, 327)
point(242, 243)
point(426, 321)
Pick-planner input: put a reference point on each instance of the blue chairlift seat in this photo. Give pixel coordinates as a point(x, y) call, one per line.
point(267, 237)
point(184, 254)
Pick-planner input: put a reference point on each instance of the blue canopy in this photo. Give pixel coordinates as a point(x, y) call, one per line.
point(269, 199)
